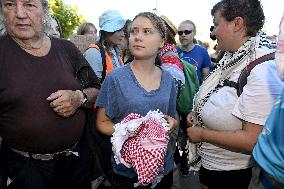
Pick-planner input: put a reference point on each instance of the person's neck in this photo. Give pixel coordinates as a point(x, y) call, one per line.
point(108, 46)
point(239, 43)
point(188, 47)
point(144, 67)
point(35, 43)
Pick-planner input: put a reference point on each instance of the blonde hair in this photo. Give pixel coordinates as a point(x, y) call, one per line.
point(84, 27)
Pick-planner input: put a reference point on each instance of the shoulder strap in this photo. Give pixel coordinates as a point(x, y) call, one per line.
point(260, 60)
point(242, 81)
point(102, 51)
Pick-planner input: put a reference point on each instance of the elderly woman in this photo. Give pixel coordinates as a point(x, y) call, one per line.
point(105, 55)
point(46, 87)
point(231, 120)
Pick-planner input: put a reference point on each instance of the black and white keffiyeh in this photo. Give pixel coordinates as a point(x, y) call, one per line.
point(231, 63)
point(252, 49)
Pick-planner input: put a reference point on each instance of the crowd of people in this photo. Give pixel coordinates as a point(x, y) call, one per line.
point(136, 107)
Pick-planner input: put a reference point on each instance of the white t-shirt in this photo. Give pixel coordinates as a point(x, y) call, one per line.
point(254, 105)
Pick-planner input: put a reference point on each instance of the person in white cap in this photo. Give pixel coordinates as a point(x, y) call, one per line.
point(105, 55)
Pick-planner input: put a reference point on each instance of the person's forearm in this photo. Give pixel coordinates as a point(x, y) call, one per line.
point(105, 127)
point(240, 139)
point(92, 94)
point(103, 123)
point(205, 72)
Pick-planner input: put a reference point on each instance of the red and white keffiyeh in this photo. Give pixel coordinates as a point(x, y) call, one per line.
point(141, 143)
point(172, 63)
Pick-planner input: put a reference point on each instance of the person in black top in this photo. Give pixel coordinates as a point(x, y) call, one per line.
point(46, 88)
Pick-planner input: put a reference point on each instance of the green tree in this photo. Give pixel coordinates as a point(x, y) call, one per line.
point(66, 15)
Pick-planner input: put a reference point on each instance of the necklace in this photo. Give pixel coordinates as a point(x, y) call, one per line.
point(29, 47)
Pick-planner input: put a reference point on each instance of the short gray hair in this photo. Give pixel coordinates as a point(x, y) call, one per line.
point(45, 21)
point(190, 22)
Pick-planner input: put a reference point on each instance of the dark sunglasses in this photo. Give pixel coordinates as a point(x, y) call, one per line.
point(186, 32)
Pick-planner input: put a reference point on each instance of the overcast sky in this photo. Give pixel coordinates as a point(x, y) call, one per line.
point(176, 10)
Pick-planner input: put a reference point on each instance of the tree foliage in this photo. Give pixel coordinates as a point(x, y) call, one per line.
point(67, 16)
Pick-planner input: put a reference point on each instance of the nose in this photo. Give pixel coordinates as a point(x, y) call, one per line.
point(213, 31)
point(138, 36)
point(21, 11)
point(182, 35)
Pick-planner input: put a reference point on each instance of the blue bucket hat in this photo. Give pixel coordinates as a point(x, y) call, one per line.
point(111, 21)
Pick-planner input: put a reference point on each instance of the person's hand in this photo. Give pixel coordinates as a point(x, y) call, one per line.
point(189, 118)
point(65, 102)
point(195, 134)
point(173, 123)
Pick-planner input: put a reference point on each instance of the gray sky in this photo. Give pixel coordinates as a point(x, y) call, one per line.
point(176, 10)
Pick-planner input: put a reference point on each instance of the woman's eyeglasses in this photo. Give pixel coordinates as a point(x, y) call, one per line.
point(186, 32)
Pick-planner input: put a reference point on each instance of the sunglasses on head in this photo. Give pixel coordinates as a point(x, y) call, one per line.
point(186, 32)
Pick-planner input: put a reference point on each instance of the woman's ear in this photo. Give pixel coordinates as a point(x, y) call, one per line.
point(239, 23)
point(162, 44)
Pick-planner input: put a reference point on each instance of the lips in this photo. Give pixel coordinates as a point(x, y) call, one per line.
point(23, 26)
point(138, 46)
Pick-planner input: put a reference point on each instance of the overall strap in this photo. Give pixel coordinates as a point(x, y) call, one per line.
point(242, 81)
point(103, 55)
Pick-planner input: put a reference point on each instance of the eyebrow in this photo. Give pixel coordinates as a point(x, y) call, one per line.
point(30, 1)
point(143, 28)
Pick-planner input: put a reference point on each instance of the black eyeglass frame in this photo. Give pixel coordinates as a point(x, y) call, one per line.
point(186, 32)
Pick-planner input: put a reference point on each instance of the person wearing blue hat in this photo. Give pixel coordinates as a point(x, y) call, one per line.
point(105, 55)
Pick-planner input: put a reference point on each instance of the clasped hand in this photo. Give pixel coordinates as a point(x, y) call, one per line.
point(65, 102)
point(173, 123)
point(194, 133)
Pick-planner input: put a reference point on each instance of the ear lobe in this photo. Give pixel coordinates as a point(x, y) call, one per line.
point(162, 44)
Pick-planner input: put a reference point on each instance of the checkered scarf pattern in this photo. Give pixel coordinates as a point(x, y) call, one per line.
point(146, 147)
